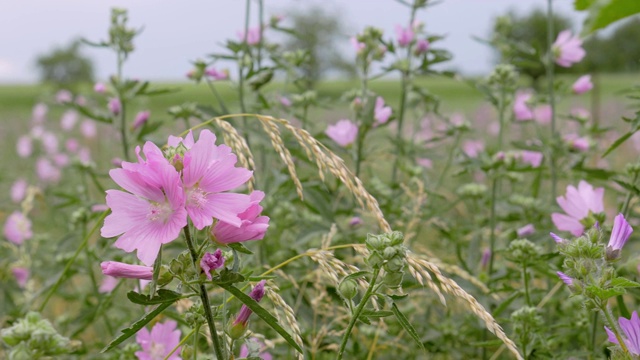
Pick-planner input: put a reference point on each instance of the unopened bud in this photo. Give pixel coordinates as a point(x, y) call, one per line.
point(348, 289)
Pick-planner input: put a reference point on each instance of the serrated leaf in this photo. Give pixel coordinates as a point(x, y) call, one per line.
point(605, 294)
point(406, 325)
point(262, 313)
point(240, 248)
point(617, 143)
point(624, 283)
point(162, 296)
point(136, 326)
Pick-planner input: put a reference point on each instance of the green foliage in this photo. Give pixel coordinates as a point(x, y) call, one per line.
point(65, 67)
point(603, 13)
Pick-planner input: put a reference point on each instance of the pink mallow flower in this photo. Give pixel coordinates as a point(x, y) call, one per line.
point(580, 113)
point(344, 132)
point(108, 284)
point(425, 163)
point(17, 228)
point(381, 113)
point(122, 270)
point(39, 114)
point(578, 143)
point(211, 262)
point(24, 146)
point(526, 230)
point(47, 172)
point(64, 96)
point(68, 120)
point(114, 106)
point(631, 330)
point(422, 46)
point(50, 142)
point(567, 49)
point(152, 212)
point(100, 88)
point(583, 84)
point(18, 190)
point(72, 145)
point(565, 278)
point(620, 233)
point(21, 274)
point(141, 119)
point(209, 172)
point(521, 109)
point(357, 45)
point(253, 226)
point(88, 129)
point(253, 36)
point(158, 343)
point(533, 158)
point(404, 36)
point(217, 75)
point(472, 147)
point(543, 114)
point(257, 293)
point(577, 204)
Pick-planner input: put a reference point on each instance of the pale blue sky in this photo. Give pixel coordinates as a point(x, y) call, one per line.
point(176, 32)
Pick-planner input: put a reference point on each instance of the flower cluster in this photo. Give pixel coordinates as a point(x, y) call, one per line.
point(189, 180)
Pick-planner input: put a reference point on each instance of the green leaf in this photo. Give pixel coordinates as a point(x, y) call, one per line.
point(228, 277)
point(624, 283)
point(617, 143)
point(376, 314)
point(355, 275)
point(162, 296)
point(605, 294)
point(90, 114)
point(581, 5)
point(634, 189)
point(396, 297)
point(601, 16)
point(133, 329)
point(262, 313)
point(240, 248)
point(406, 325)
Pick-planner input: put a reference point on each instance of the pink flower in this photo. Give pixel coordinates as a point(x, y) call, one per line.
point(404, 36)
point(158, 343)
point(344, 132)
point(357, 45)
point(472, 147)
point(141, 118)
point(422, 46)
point(424, 162)
point(80, 100)
point(521, 110)
point(217, 75)
point(100, 88)
point(24, 146)
point(526, 230)
point(108, 284)
point(264, 355)
point(533, 158)
point(253, 226)
point(568, 49)
point(152, 212)
point(211, 262)
point(122, 270)
point(68, 120)
point(620, 233)
point(60, 159)
point(486, 258)
point(543, 114)
point(355, 221)
point(381, 113)
point(631, 329)
point(84, 155)
point(50, 142)
point(576, 142)
point(114, 106)
point(253, 36)
point(18, 190)
point(256, 294)
point(21, 274)
point(285, 101)
point(583, 84)
point(17, 228)
point(580, 113)
point(64, 96)
point(39, 114)
point(566, 279)
point(46, 171)
point(72, 145)
point(577, 204)
point(88, 129)
point(209, 172)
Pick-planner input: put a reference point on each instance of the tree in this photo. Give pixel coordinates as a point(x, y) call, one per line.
point(65, 67)
point(317, 31)
point(522, 40)
point(619, 52)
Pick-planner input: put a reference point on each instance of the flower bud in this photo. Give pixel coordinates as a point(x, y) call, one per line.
point(375, 260)
point(348, 289)
point(394, 265)
point(393, 280)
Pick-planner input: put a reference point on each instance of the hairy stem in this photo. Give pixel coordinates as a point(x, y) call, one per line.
point(356, 314)
point(552, 100)
point(627, 200)
point(604, 310)
point(204, 296)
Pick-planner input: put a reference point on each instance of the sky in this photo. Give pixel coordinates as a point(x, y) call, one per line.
point(177, 32)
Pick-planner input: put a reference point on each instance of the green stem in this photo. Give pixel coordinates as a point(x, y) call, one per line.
point(594, 331)
point(613, 327)
point(204, 296)
point(492, 224)
point(627, 200)
point(218, 97)
point(525, 277)
point(552, 101)
point(123, 120)
point(447, 165)
point(364, 129)
point(356, 315)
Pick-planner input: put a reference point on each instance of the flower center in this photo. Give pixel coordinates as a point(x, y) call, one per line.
point(160, 212)
point(196, 197)
point(157, 351)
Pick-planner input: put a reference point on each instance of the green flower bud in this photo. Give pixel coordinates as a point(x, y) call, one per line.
point(236, 331)
point(374, 242)
point(165, 276)
point(348, 289)
point(472, 190)
point(375, 260)
point(389, 253)
point(523, 251)
point(393, 280)
point(186, 352)
point(394, 265)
